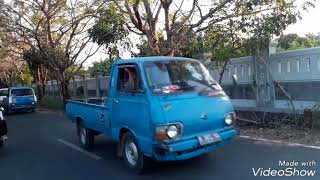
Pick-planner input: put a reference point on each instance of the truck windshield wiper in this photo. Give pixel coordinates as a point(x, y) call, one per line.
point(186, 87)
point(208, 85)
point(176, 88)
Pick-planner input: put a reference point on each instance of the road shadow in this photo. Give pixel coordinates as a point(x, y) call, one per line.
point(106, 148)
point(19, 113)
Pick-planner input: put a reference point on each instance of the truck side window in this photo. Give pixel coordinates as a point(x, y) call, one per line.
point(129, 79)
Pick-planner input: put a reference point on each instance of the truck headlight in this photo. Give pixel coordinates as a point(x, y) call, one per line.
point(168, 131)
point(228, 119)
point(172, 131)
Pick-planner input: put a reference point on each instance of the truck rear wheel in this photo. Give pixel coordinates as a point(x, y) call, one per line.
point(1, 142)
point(132, 155)
point(86, 136)
point(7, 111)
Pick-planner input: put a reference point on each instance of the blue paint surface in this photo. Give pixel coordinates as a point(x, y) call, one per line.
point(20, 98)
point(141, 112)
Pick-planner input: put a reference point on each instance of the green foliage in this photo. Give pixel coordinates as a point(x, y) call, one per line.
point(285, 41)
point(103, 67)
point(293, 42)
point(76, 70)
point(34, 59)
point(221, 46)
point(110, 30)
point(258, 20)
point(25, 77)
point(145, 49)
point(190, 44)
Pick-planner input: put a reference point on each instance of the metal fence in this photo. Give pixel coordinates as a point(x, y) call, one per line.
point(297, 71)
point(81, 87)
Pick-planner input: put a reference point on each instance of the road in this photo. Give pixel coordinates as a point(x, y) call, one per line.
point(43, 145)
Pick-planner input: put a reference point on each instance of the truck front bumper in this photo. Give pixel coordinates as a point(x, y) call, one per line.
point(17, 107)
point(189, 148)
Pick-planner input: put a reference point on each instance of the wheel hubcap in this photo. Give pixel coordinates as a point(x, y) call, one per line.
point(131, 152)
point(83, 135)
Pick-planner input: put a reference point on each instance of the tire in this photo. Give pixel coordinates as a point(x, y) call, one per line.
point(133, 157)
point(1, 142)
point(86, 136)
point(7, 111)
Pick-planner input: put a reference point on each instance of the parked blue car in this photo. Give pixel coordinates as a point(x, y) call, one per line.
point(166, 108)
point(19, 99)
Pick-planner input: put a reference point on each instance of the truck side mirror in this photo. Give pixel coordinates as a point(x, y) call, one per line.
point(235, 79)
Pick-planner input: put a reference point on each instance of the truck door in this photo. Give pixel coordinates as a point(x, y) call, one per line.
point(130, 105)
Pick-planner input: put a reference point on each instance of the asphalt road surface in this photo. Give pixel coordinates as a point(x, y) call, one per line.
point(44, 146)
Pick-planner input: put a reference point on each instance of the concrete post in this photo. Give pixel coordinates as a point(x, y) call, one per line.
point(98, 85)
point(53, 88)
point(85, 88)
point(49, 88)
point(74, 87)
point(56, 89)
point(263, 77)
point(273, 47)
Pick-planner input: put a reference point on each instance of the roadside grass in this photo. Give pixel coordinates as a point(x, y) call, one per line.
point(281, 127)
point(316, 120)
point(51, 103)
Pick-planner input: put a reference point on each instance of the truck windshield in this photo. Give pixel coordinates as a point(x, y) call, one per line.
point(22, 92)
point(178, 76)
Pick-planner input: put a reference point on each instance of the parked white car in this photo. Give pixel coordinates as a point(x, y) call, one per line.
point(3, 94)
point(3, 128)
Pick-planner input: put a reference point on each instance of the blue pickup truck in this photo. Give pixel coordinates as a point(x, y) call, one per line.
point(165, 108)
point(18, 98)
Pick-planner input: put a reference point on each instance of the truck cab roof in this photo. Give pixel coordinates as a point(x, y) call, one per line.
point(150, 59)
point(19, 87)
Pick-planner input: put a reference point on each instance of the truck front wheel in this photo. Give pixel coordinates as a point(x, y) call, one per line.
point(7, 110)
point(86, 136)
point(132, 155)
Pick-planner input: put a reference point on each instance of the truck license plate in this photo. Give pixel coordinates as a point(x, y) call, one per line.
point(209, 139)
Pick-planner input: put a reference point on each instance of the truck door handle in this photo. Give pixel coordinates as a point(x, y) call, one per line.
point(116, 100)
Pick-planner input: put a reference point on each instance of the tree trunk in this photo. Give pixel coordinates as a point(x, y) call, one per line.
point(40, 90)
point(43, 87)
point(64, 90)
point(222, 71)
point(153, 44)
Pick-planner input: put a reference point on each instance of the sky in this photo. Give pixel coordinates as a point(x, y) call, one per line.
point(308, 24)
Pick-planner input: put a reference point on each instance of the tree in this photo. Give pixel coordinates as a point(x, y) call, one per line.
point(57, 29)
point(109, 30)
point(39, 69)
point(285, 41)
point(103, 67)
point(12, 69)
point(183, 21)
point(293, 41)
